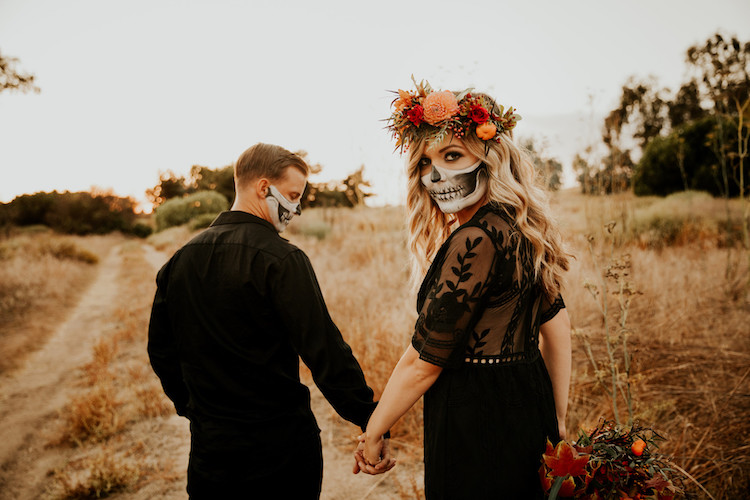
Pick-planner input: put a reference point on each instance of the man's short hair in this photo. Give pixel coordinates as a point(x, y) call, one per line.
point(266, 160)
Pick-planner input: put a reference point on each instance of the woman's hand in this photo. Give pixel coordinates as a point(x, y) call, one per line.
point(379, 448)
point(374, 450)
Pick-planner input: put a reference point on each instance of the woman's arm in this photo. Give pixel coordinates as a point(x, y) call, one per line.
point(409, 381)
point(554, 342)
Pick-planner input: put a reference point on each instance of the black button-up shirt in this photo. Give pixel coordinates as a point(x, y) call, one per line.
point(235, 309)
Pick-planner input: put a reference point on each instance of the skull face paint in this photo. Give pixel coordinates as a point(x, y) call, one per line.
point(454, 190)
point(280, 209)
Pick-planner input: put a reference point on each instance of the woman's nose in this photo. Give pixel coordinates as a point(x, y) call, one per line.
point(435, 175)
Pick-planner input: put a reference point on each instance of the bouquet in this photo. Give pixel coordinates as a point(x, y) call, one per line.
point(611, 462)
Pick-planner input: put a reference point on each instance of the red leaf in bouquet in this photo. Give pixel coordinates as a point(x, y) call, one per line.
point(592, 496)
point(549, 450)
point(658, 483)
point(568, 488)
point(566, 460)
point(545, 479)
point(586, 450)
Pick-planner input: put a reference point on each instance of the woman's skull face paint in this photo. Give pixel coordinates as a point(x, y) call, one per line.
point(454, 190)
point(280, 209)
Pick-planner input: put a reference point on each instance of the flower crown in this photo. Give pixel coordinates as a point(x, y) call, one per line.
point(433, 114)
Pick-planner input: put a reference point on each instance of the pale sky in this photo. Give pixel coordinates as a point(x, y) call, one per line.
point(133, 88)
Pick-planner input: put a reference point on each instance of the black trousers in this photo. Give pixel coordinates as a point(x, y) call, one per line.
point(239, 471)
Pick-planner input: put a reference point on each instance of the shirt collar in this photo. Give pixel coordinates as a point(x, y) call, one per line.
point(240, 217)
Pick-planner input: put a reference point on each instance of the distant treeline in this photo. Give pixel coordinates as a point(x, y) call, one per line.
point(659, 142)
point(74, 213)
point(348, 192)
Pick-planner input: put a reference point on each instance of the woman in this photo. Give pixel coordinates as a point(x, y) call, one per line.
point(491, 346)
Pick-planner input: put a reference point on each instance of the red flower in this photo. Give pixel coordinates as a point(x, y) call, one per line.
point(479, 114)
point(416, 115)
point(564, 459)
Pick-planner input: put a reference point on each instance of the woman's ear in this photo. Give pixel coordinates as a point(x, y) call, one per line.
point(261, 187)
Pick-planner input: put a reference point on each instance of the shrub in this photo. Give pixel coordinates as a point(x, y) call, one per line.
point(93, 416)
point(202, 221)
point(678, 219)
point(72, 213)
point(67, 250)
point(178, 211)
point(141, 230)
point(658, 171)
point(98, 477)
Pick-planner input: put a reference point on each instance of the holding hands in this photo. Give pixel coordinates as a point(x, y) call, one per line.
point(373, 455)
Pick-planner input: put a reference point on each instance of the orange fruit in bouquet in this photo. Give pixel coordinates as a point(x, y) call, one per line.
point(637, 447)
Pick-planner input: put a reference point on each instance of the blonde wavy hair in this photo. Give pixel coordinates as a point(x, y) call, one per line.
point(512, 182)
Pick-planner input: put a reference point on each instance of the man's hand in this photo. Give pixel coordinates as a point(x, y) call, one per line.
point(384, 461)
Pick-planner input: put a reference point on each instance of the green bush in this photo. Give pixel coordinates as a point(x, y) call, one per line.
point(72, 213)
point(678, 219)
point(658, 171)
point(178, 211)
point(141, 230)
point(202, 221)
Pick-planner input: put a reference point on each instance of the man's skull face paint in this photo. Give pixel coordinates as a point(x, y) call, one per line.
point(280, 209)
point(454, 190)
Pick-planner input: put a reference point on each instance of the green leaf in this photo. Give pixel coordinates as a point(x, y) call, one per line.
point(556, 486)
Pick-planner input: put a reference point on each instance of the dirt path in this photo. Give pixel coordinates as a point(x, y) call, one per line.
point(32, 398)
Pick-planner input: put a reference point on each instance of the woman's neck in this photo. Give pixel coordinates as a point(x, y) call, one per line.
point(467, 213)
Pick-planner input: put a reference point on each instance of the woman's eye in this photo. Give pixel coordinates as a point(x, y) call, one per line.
point(452, 156)
point(424, 162)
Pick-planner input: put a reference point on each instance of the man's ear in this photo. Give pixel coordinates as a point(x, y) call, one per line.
point(261, 187)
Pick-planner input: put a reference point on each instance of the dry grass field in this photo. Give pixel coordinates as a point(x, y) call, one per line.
point(111, 431)
point(41, 275)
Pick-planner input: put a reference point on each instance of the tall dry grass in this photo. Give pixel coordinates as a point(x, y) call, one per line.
point(362, 266)
point(688, 334)
point(42, 275)
point(688, 339)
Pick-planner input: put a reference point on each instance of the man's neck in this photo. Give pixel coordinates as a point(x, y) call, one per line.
point(257, 208)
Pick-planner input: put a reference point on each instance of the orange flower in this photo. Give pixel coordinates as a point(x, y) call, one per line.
point(403, 101)
point(486, 130)
point(439, 106)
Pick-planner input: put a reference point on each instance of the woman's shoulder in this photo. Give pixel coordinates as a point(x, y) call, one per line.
point(492, 220)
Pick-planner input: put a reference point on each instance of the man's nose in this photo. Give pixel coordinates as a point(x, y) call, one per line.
point(435, 175)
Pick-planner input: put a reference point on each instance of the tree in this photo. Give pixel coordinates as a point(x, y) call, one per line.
point(549, 169)
point(722, 66)
point(170, 186)
point(688, 148)
point(14, 80)
point(717, 90)
point(686, 105)
point(345, 193)
point(220, 180)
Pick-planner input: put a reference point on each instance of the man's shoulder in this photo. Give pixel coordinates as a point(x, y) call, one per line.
point(248, 236)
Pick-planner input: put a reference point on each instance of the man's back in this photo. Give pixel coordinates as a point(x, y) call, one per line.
point(237, 361)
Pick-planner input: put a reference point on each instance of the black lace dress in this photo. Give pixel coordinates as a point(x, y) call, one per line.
point(488, 415)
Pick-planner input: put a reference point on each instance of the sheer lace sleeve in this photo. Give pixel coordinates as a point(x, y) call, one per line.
point(550, 309)
point(453, 297)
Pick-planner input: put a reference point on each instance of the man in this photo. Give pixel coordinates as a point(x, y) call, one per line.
point(235, 309)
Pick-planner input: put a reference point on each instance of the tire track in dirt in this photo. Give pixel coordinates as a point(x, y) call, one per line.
point(32, 396)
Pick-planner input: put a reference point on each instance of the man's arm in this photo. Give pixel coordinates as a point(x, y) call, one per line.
point(300, 304)
point(162, 346)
